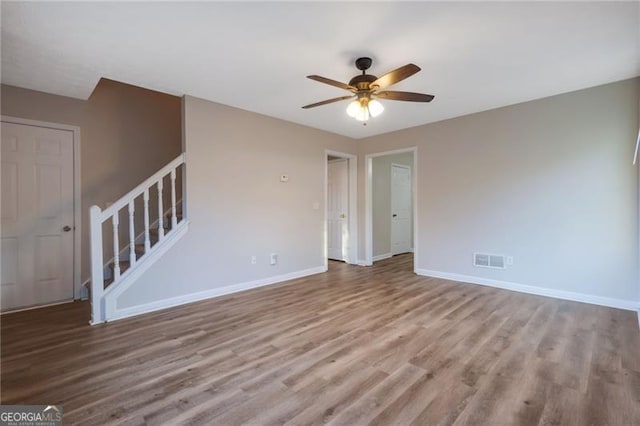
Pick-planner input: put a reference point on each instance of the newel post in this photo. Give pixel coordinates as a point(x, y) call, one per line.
point(97, 272)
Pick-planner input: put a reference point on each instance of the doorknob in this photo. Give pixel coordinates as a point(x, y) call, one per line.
point(67, 228)
point(395, 215)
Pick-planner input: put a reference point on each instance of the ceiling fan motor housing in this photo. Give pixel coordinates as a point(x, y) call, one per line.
point(363, 64)
point(362, 82)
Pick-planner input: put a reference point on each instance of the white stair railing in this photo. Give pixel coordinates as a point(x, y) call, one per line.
point(97, 217)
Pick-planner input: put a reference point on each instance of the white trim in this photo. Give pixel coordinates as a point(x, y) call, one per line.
point(638, 213)
point(31, 308)
point(77, 193)
point(362, 262)
point(353, 204)
point(530, 289)
point(635, 153)
point(382, 256)
point(209, 294)
point(368, 202)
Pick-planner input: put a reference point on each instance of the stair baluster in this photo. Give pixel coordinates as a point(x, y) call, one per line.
point(132, 235)
point(116, 246)
point(174, 218)
point(160, 212)
point(147, 239)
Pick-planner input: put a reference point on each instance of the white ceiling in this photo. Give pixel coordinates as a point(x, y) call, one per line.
point(255, 56)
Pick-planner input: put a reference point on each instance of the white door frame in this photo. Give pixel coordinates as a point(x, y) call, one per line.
point(78, 292)
point(368, 203)
point(352, 159)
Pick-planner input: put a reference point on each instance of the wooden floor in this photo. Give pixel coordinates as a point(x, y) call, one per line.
point(354, 346)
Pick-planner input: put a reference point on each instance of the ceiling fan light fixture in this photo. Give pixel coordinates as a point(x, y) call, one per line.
point(375, 108)
point(353, 108)
point(363, 114)
point(364, 108)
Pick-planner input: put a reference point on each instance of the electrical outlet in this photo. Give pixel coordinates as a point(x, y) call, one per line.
point(254, 260)
point(274, 259)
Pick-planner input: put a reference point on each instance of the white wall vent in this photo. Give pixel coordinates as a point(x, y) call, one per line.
point(485, 260)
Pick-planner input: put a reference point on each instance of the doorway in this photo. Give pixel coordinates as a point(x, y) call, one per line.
point(401, 200)
point(337, 209)
point(340, 207)
point(39, 214)
point(390, 202)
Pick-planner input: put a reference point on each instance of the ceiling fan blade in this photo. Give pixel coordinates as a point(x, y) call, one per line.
point(332, 82)
point(404, 96)
point(392, 77)
point(328, 101)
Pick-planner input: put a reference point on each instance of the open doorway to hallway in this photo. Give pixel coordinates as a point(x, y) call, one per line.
point(341, 205)
point(390, 204)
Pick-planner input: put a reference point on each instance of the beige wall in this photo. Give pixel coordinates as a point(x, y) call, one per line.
point(127, 133)
point(132, 133)
point(549, 182)
point(33, 105)
point(237, 206)
point(381, 200)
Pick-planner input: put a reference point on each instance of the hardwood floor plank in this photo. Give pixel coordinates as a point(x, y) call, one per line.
point(563, 407)
point(342, 391)
point(377, 399)
point(354, 346)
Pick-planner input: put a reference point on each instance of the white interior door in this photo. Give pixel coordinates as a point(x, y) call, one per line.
point(401, 200)
point(37, 216)
point(338, 209)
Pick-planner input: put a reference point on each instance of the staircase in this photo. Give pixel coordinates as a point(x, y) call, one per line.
point(111, 278)
point(139, 249)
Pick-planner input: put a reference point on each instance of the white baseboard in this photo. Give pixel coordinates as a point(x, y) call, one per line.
point(540, 291)
point(208, 294)
point(361, 262)
point(30, 308)
point(382, 256)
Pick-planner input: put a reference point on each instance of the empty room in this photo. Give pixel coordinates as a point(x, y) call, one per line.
point(351, 213)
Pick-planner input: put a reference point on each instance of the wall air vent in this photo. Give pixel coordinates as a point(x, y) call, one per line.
point(485, 260)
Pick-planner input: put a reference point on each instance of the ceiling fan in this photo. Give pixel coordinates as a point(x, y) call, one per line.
point(368, 88)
